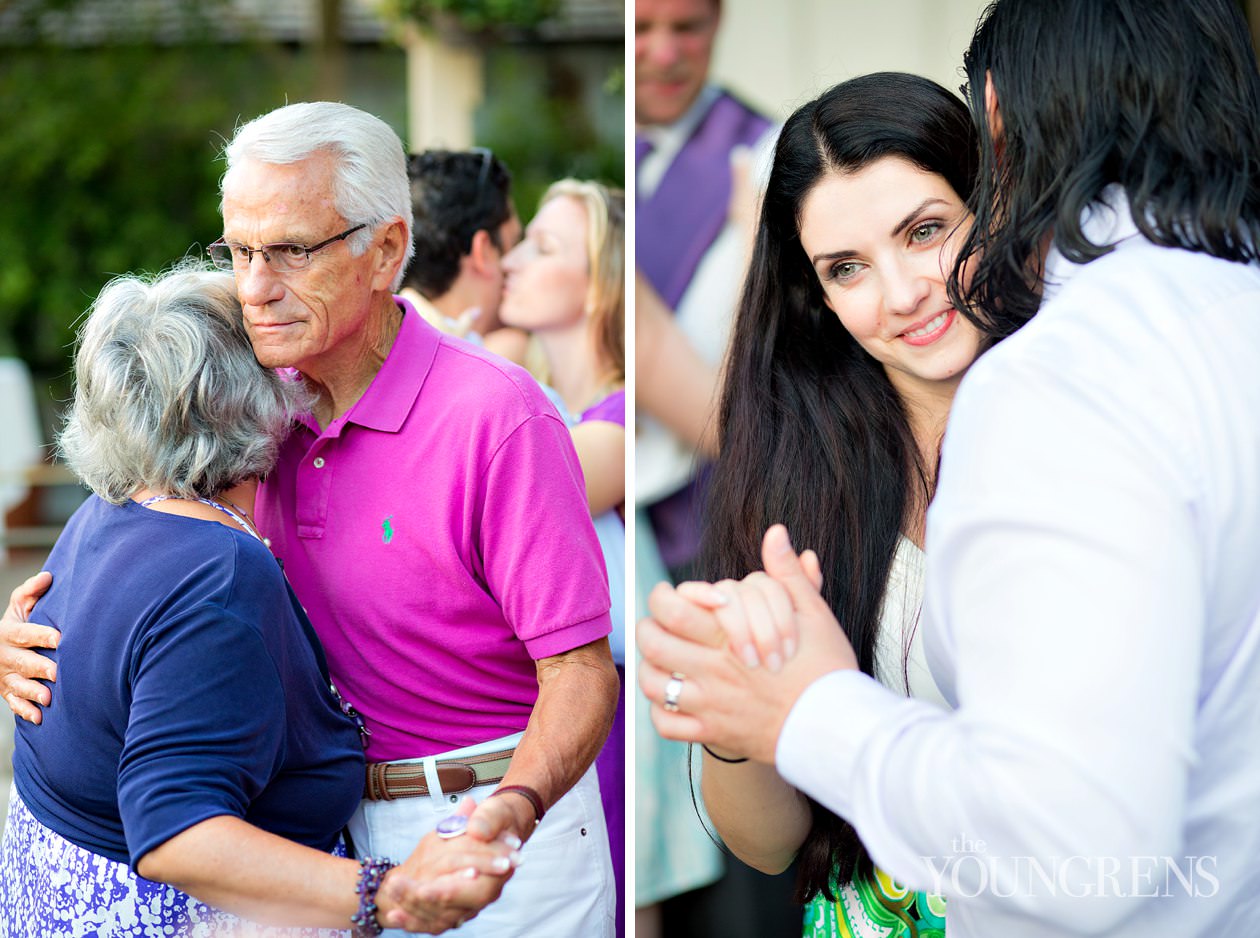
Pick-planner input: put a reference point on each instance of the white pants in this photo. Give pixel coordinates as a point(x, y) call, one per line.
point(564, 885)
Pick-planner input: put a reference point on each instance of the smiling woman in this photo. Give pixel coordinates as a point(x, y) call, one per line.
point(844, 361)
point(881, 239)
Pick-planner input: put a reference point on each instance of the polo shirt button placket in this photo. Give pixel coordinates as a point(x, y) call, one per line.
point(312, 494)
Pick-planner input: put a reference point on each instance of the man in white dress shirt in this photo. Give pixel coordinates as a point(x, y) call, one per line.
point(1093, 583)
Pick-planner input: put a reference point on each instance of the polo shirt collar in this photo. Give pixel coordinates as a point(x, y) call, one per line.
point(389, 399)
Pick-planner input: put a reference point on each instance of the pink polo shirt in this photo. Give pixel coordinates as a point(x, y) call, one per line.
point(438, 536)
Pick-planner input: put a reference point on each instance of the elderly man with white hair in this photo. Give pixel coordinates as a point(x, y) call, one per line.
point(431, 515)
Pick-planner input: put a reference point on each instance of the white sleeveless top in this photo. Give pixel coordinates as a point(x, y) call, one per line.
point(900, 663)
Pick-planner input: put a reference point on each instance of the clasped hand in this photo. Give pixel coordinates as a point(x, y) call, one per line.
point(736, 656)
point(440, 886)
point(444, 883)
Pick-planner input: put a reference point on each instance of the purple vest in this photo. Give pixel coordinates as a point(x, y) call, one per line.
point(688, 209)
point(675, 228)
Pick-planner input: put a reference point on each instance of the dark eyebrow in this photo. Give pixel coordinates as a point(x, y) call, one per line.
point(834, 256)
point(901, 226)
point(915, 213)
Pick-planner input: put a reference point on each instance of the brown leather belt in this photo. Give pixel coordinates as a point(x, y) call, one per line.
point(387, 781)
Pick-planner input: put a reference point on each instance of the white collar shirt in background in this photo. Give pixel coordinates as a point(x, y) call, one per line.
point(667, 140)
point(1093, 613)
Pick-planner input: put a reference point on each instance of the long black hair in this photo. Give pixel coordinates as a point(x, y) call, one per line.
point(1159, 96)
point(811, 431)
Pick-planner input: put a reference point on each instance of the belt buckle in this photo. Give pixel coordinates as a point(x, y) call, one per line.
point(454, 788)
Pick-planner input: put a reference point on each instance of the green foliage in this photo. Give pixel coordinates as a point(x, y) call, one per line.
point(109, 155)
point(109, 165)
point(534, 118)
point(474, 17)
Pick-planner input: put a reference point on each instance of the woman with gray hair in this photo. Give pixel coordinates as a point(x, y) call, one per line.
point(195, 764)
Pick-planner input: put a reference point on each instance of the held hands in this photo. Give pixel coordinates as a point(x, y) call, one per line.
point(444, 883)
point(19, 664)
point(735, 646)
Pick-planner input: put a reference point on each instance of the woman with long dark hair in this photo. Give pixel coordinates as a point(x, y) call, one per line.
point(844, 360)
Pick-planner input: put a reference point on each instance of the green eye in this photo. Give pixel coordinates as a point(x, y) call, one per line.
point(925, 233)
point(845, 270)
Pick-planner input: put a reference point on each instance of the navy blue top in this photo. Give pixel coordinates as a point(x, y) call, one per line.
point(189, 685)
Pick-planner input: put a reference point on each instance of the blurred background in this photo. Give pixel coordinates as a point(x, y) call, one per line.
point(114, 113)
point(777, 56)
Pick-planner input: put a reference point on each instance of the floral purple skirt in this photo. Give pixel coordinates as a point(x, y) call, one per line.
point(51, 888)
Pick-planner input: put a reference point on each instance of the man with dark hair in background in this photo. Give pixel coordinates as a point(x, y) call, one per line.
point(463, 224)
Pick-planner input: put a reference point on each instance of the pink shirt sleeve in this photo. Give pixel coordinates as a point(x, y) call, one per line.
point(541, 558)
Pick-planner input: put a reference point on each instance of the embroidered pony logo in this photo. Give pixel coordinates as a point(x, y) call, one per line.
point(387, 530)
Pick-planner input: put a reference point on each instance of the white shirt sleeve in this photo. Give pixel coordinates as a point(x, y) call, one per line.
point(1066, 592)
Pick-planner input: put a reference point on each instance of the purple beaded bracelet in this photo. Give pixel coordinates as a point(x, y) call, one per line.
point(372, 872)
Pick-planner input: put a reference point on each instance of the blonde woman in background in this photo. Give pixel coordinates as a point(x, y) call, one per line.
point(564, 284)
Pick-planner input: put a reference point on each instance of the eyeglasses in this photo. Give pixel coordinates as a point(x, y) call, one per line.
point(282, 258)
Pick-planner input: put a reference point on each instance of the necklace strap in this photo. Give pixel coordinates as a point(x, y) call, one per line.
point(242, 519)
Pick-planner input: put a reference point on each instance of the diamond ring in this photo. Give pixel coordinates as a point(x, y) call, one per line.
point(673, 690)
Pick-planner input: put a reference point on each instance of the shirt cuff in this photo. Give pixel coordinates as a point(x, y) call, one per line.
point(569, 637)
point(826, 731)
